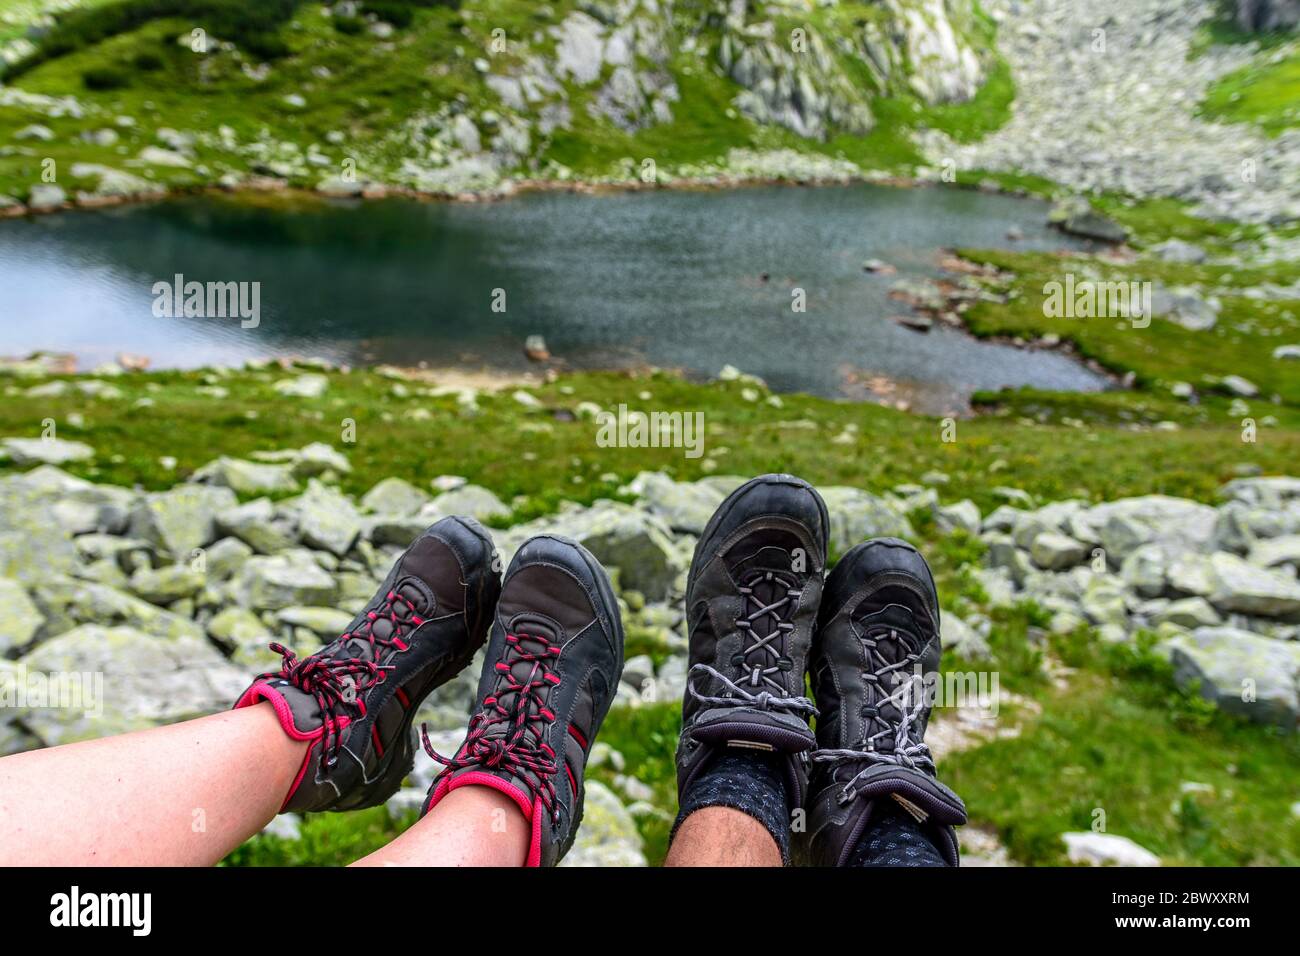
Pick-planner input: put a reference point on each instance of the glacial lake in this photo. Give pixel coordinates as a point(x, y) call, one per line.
point(668, 278)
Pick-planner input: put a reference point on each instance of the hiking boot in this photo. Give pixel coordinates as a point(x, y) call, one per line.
point(751, 603)
point(877, 630)
point(554, 660)
point(355, 698)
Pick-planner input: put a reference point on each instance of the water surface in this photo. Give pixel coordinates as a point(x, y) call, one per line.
point(674, 279)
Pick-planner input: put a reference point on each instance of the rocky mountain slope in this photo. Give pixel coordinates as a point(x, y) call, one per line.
point(471, 98)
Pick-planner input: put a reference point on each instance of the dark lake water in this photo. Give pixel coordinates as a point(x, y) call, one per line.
point(665, 278)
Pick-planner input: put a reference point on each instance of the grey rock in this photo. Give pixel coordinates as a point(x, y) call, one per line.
point(283, 580)
point(182, 519)
point(1055, 552)
point(1077, 217)
point(1144, 570)
point(961, 639)
point(684, 506)
point(1176, 250)
point(46, 197)
point(394, 496)
point(20, 618)
point(246, 477)
point(145, 682)
point(472, 500)
point(1191, 613)
point(857, 515)
point(1272, 552)
point(45, 451)
point(1106, 849)
point(167, 584)
point(325, 622)
point(608, 835)
point(256, 525)
point(964, 516)
point(1240, 672)
point(326, 518)
point(1238, 585)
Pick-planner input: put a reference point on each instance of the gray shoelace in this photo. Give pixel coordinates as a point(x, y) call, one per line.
point(764, 699)
point(905, 752)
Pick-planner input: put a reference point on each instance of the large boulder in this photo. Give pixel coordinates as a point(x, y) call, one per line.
point(32, 548)
point(620, 536)
point(394, 496)
point(1240, 672)
point(1056, 552)
point(182, 519)
point(1238, 585)
point(1176, 524)
point(326, 518)
point(20, 618)
point(123, 679)
point(684, 506)
point(246, 477)
point(269, 583)
point(67, 603)
point(857, 515)
point(472, 500)
point(256, 524)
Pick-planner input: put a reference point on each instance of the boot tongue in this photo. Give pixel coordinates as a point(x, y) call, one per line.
point(534, 637)
point(410, 601)
point(896, 634)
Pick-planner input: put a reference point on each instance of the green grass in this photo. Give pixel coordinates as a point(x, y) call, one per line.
point(1052, 459)
point(1241, 342)
point(1266, 93)
point(1116, 743)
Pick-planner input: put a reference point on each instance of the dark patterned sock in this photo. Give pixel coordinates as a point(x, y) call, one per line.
point(893, 838)
point(750, 781)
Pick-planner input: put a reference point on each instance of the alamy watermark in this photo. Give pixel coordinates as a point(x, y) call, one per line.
point(636, 429)
point(22, 689)
point(1089, 299)
point(178, 299)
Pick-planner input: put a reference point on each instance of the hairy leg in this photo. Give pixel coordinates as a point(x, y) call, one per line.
point(471, 826)
point(722, 836)
point(181, 795)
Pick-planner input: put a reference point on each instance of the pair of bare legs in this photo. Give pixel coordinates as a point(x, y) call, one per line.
point(187, 794)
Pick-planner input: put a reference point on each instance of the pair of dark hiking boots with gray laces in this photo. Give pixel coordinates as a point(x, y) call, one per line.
point(761, 614)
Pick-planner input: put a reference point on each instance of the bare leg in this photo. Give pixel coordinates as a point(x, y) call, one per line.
point(181, 795)
point(471, 826)
point(721, 836)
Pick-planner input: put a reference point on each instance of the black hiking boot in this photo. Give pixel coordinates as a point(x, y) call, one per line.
point(751, 604)
point(879, 623)
point(355, 698)
point(554, 660)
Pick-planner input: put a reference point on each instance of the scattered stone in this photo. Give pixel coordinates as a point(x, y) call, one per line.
point(246, 477)
point(394, 496)
point(270, 583)
point(1055, 552)
point(182, 519)
point(302, 386)
point(45, 451)
point(535, 349)
point(1106, 849)
point(1238, 585)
